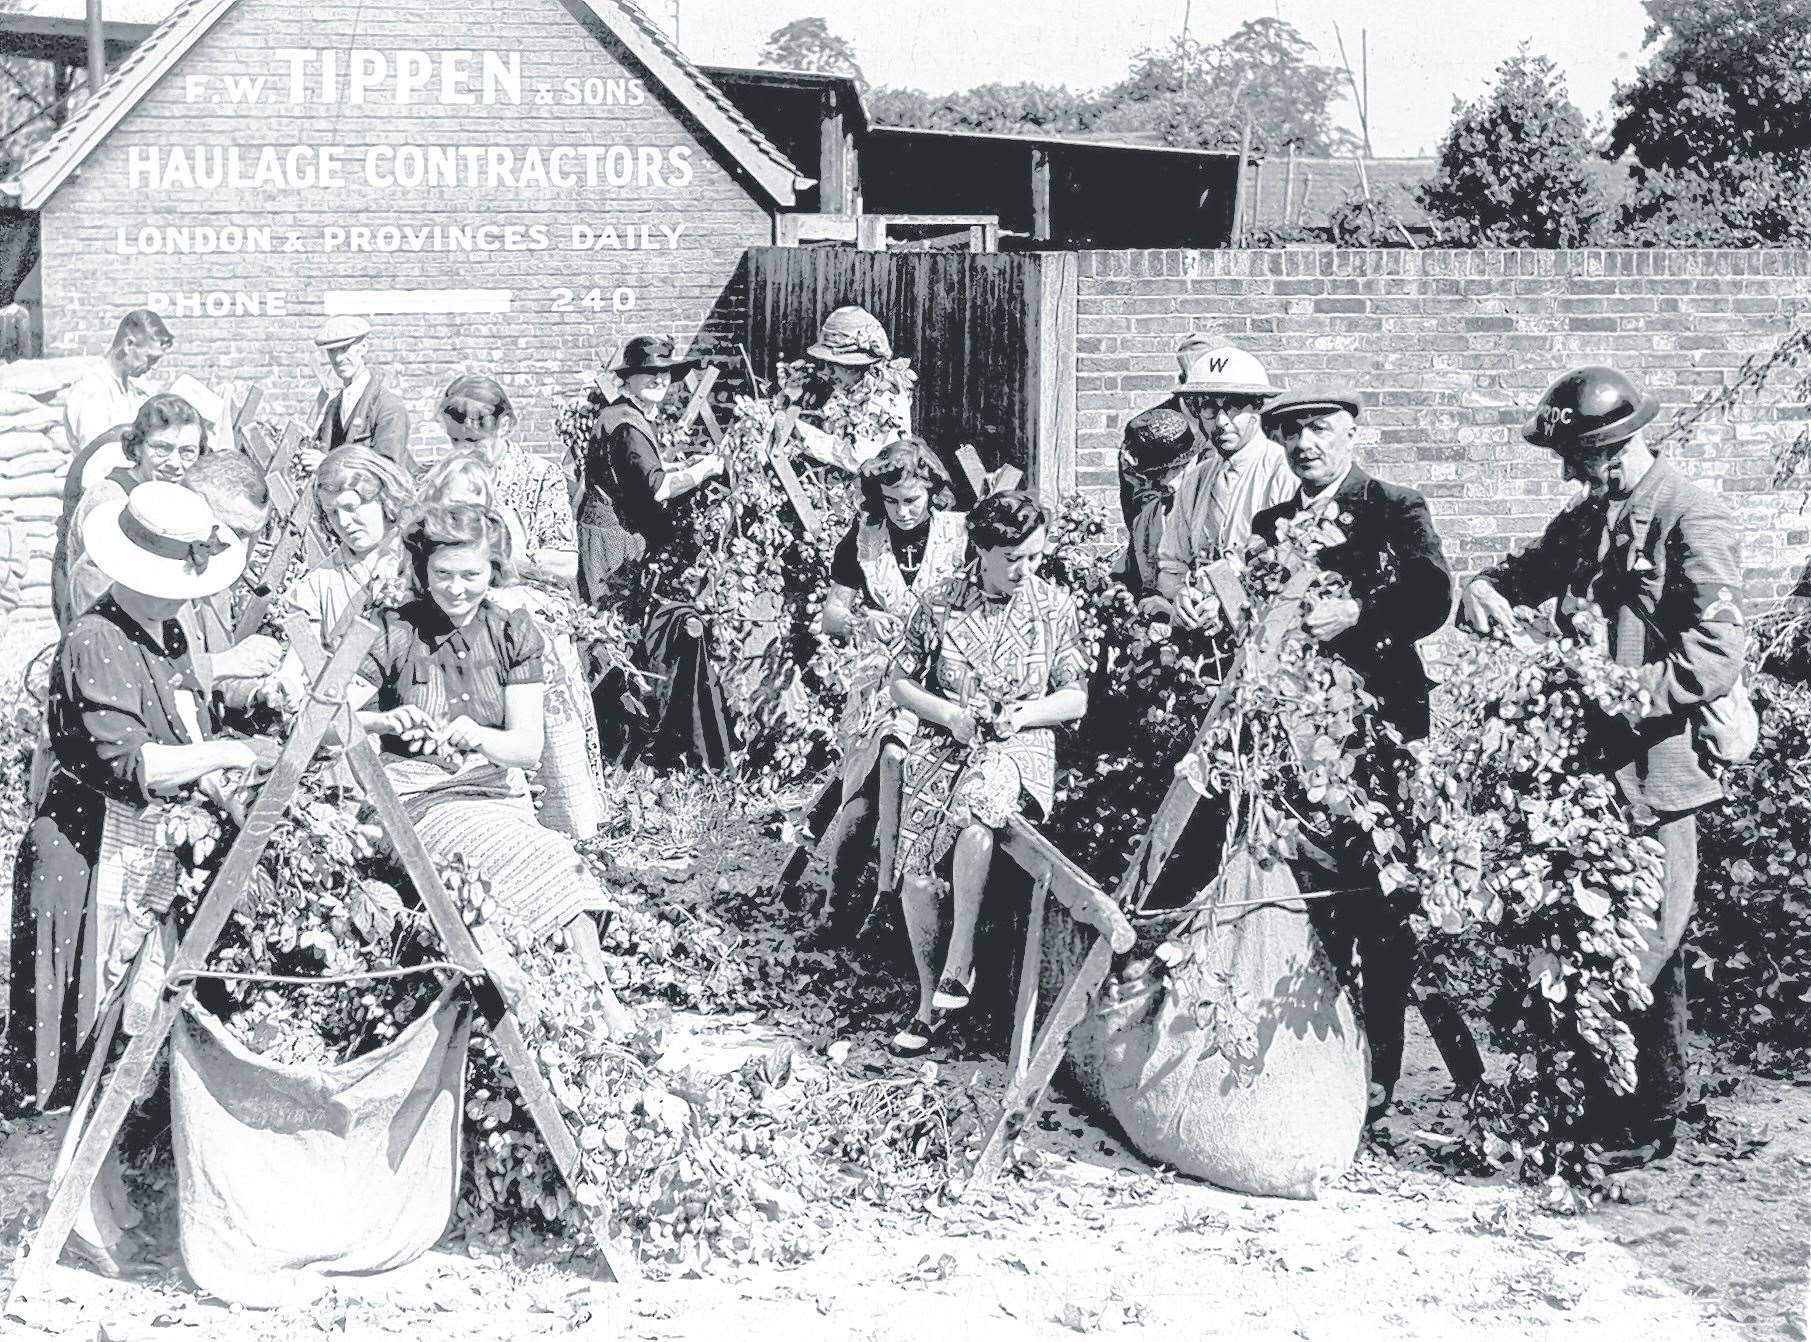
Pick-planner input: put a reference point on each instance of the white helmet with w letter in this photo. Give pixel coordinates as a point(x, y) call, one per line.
point(1227, 371)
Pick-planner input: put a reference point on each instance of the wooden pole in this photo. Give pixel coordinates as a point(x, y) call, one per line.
point(1040, 195)
point(1238, 199)
point(97, 48)
point(1288, 186)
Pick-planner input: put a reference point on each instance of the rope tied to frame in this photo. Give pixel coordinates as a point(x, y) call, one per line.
point(184, 977)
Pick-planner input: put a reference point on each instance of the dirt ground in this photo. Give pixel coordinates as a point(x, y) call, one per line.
point(1711, 1245)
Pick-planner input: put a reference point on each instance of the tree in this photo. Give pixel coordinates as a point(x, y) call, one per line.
point(1511, 170)
point(1194, 94)
point(991, 107)
point(808, 44)
point(1717, 120)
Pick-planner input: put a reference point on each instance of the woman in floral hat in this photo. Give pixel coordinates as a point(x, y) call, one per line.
point(865, 401)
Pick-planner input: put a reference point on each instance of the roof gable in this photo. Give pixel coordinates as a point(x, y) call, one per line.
point(59, 156)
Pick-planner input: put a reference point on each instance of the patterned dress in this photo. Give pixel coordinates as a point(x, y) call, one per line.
point(871, 718)
point(476, 809)
point(981, 652)
point(534, 492)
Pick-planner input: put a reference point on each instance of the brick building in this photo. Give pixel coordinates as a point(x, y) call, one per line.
point(514, 196)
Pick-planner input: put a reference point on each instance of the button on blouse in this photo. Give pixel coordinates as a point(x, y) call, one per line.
point(419, 658)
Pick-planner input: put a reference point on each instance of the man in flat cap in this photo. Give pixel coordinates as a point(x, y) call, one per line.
point(1399, 590)
point(1241, 473)
point(1661, 558)
point(363, 411)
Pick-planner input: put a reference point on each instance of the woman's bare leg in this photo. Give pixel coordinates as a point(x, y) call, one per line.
point(974, 855)
point(886, 831)
point(919, 898)
point(581, 935)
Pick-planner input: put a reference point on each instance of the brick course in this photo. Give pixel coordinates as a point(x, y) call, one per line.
point(1451, 349)
point(541, 355)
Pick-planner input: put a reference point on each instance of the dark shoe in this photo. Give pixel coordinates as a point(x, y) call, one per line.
point(914, 1039)
point(1654, 1143)
point(952, 993)
point(116, 1264)
point(1378, 1102)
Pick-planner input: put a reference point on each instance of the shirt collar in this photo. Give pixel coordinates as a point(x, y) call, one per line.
point(355, 388)
point(1315, 500)
point(433, 626)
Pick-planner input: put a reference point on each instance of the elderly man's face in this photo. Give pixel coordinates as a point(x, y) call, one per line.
point(1227, 422)
point(1319, 447)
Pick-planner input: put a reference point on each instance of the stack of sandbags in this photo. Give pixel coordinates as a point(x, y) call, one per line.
point(34, 455)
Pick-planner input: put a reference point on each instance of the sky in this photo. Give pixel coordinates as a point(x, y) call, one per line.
point(1423, 53)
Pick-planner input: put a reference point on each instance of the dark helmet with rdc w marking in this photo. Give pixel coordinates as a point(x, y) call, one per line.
point(1589, 411)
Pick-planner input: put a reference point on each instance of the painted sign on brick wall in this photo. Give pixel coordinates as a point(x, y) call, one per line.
point(517, 207)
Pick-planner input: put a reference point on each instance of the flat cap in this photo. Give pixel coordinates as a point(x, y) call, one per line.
point(341, 330)
point(1307, 405)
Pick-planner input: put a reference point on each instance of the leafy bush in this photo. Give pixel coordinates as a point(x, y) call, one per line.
point(1511, 170)
point(1523, 847)
point(1749, 955)
point(1718, 121)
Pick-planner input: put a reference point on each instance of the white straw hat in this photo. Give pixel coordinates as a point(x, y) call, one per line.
point(164, 541)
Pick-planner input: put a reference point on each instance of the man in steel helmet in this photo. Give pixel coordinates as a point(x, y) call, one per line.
point(1660, 557)
point(1242, 473)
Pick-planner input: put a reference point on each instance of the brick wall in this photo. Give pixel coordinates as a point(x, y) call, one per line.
point(1451, 349)
point(539, 352)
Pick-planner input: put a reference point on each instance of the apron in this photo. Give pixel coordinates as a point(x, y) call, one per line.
point(870, 717)
point(135, 870)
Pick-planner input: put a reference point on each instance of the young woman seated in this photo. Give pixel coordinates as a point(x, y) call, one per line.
point(904, 542)
point(456, 687)
point(360, 500)
point(992, 660)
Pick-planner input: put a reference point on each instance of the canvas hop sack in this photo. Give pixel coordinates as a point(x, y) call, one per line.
point(1234, 1055)
point(287, 1176)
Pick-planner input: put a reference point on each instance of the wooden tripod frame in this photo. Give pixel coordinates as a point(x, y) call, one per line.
point(480, 954)
point(1035, 1059)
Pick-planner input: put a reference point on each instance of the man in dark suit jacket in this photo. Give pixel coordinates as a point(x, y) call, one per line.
point(1661, 558)
point(1400, 591)
point(363, 411)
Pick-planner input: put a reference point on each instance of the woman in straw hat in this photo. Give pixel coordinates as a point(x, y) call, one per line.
point(856, 416)
point(128, 725)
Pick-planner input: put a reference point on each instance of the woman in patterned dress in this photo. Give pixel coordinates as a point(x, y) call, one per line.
point(905, 542)
point(531, 493)
point(992, 660)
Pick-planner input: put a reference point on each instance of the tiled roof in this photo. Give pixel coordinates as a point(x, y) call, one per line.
point(173, 31)
point(64, 151)
point(657, 35)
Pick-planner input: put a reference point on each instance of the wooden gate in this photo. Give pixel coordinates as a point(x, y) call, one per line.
point(991, 337)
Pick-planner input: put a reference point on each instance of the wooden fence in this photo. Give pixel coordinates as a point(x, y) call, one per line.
point(991, 337)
